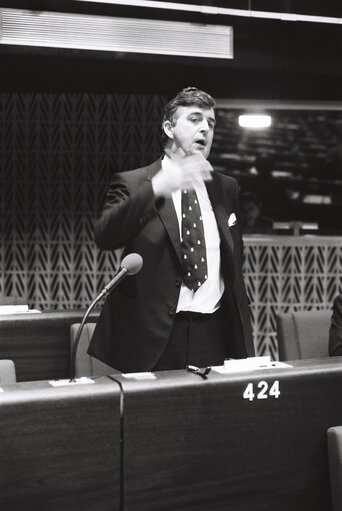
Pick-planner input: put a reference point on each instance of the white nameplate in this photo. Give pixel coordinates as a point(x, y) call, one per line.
point(248, 364)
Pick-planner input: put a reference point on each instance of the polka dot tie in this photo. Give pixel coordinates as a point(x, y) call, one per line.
point(194, 255)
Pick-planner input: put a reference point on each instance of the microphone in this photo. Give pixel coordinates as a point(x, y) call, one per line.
point(130, 265)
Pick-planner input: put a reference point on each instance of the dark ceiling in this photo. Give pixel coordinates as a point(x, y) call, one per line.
point(273, 59)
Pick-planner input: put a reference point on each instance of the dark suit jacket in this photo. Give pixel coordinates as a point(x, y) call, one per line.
point(335, 334)
point(138, 316)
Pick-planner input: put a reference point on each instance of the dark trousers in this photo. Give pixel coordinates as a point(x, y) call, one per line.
point(196, 339)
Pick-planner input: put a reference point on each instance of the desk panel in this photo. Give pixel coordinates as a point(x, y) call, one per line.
point(60, 447)
point(191, 444)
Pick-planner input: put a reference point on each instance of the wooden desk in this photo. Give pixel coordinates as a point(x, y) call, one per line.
point(191, 444)
point(173, 443)
point(39, 344)
point(60, 447)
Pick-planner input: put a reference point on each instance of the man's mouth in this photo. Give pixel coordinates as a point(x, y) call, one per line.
point(201, 142)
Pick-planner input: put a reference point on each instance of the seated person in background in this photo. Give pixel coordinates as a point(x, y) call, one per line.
point(252, 221)
point(335, 333)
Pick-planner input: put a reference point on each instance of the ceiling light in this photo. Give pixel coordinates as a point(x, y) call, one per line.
point(255, 121)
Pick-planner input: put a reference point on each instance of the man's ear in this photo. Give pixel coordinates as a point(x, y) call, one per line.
point(167, 127)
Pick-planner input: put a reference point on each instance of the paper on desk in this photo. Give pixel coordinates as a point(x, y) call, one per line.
point(13, 309)
point(16, 309)
point(140, 376)
point(78, 381)
point(248, 364)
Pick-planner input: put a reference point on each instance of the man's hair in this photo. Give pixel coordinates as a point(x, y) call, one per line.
point(186, 97)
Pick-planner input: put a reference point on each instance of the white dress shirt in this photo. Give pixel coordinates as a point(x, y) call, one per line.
point(207, 298)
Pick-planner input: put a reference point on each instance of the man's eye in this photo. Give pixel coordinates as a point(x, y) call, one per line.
point(194, 119)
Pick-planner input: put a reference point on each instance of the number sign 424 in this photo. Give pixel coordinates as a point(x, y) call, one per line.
point(261, 390)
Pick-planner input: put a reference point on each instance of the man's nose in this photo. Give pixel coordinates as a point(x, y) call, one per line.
point(204, 126)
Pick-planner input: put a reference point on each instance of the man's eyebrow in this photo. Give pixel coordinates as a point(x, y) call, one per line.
point(195, 112)
point(199, 112)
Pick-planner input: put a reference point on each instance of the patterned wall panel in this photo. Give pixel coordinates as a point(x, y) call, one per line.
point(287, 274)
point(57, 153)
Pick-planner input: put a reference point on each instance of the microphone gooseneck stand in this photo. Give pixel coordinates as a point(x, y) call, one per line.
point(105, 291)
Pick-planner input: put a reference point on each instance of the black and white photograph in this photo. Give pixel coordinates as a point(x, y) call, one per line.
point(170, 255)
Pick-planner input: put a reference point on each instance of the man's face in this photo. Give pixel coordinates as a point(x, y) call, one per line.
point(193, 129)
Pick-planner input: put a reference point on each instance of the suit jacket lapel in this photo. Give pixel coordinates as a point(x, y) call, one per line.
point(169, 219)
point(167, 214)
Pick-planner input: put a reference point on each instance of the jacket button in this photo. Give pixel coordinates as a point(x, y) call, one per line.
point(177, 283)
point(172, 311)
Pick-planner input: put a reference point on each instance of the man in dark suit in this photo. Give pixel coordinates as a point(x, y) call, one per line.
point(335, 333)
point(188, 304)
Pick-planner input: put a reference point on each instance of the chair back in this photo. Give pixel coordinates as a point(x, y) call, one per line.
point(7, 372)
point(335, 466)
point(86, 365)
point(303, 334)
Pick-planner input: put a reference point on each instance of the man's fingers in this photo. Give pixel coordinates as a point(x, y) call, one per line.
point(197, 167)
